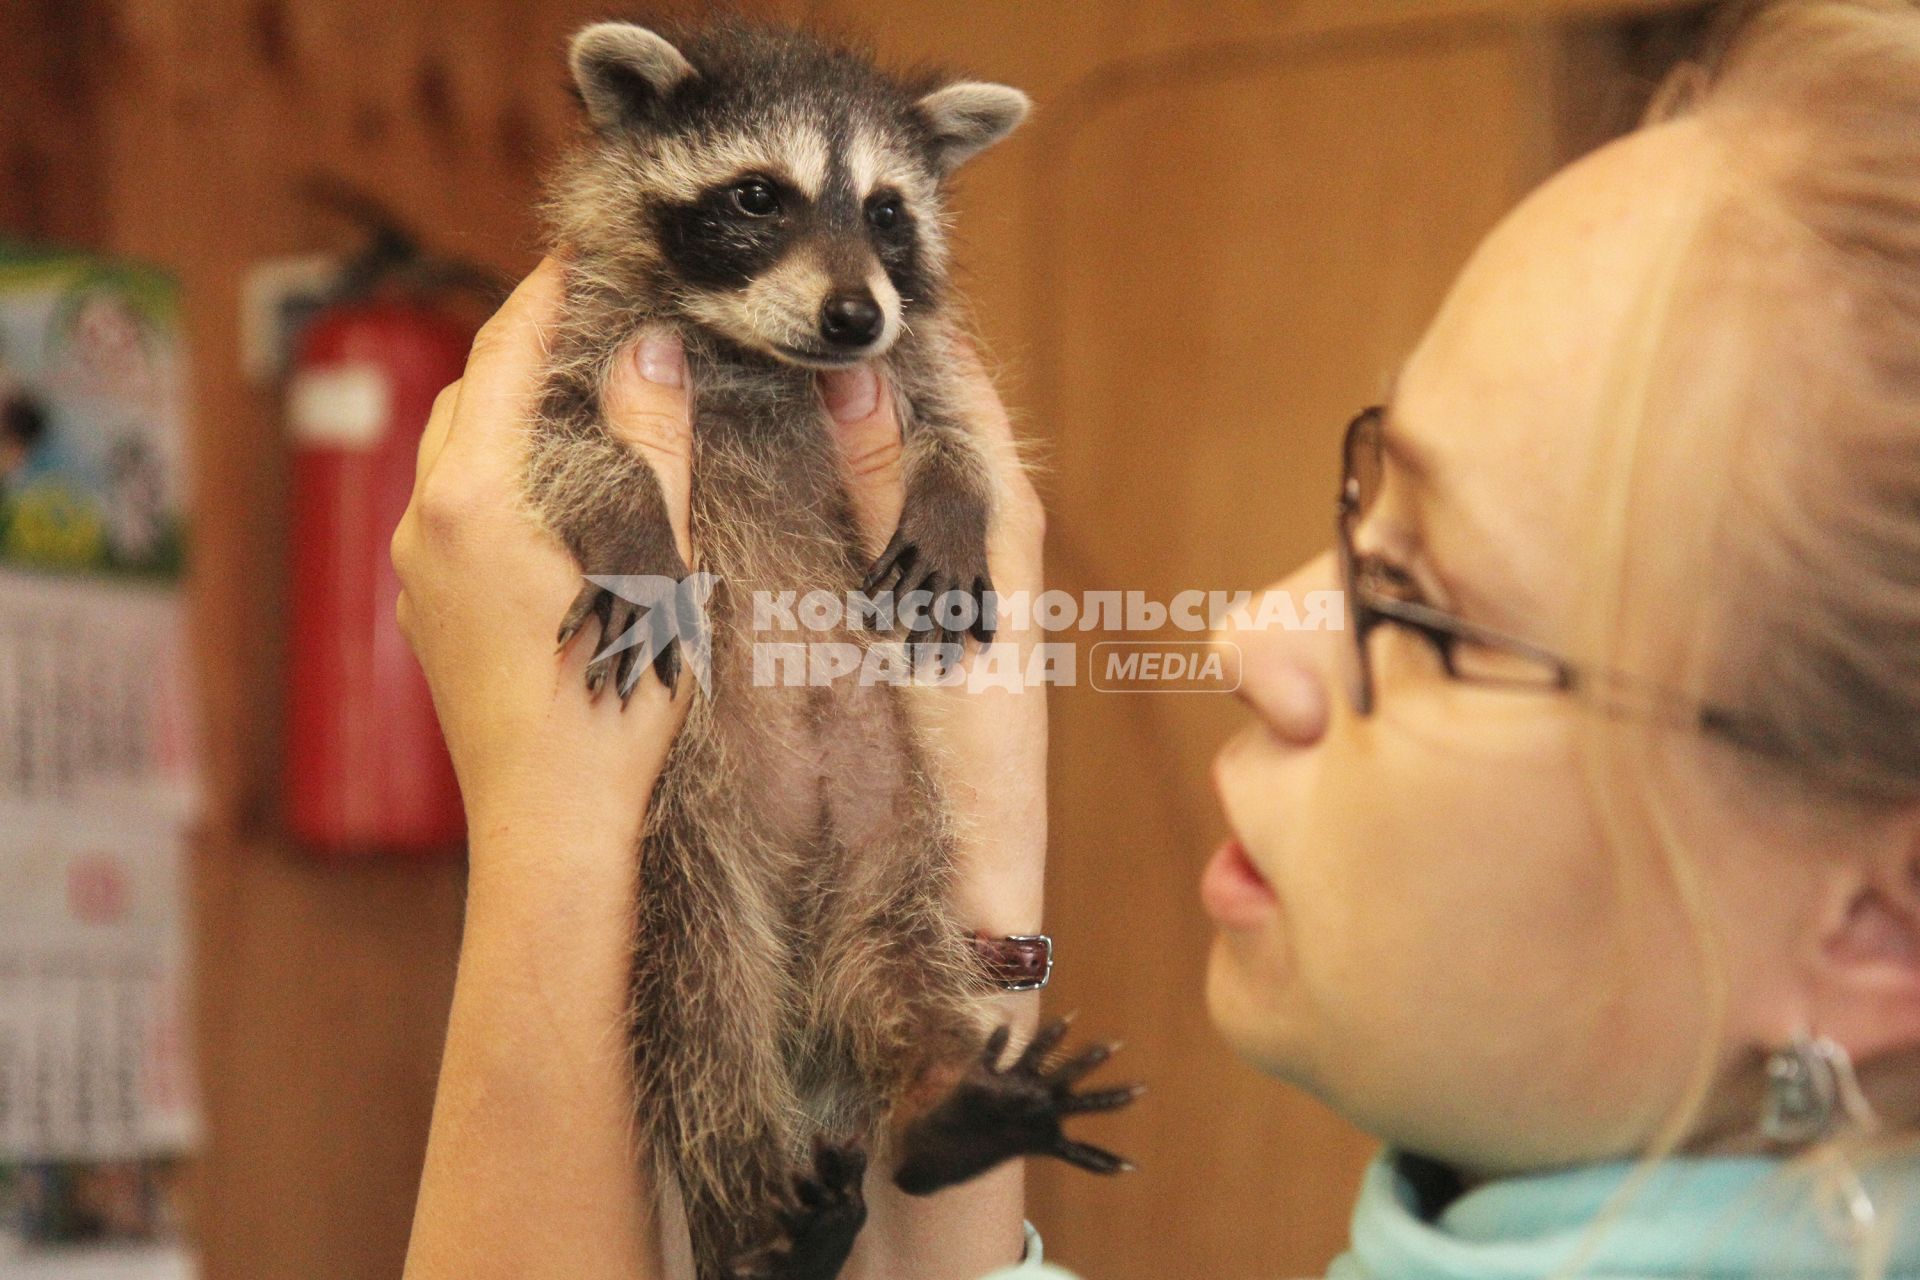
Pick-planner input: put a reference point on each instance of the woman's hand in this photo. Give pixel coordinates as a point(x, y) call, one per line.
point(484, 586)
point(530, 1172)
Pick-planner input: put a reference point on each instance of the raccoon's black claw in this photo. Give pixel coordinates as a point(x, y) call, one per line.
point(925, 592)
point(666, 665)
point(1093, 1159)
point(986, 622)
point(819, 1220)
point(897, 559)
point(617, 617)
point(584, 606)
point(996, 1114)
point(968, 602)
point(623, 667)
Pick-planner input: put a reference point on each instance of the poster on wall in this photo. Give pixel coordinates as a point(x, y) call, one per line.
point(97, 772)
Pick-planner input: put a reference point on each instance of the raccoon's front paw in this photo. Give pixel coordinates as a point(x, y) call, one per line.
point(997, 1113)
point(819, 1220)
point(639, 623)
point(938, 584)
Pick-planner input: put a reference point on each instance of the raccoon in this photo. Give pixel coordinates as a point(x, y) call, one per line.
point(799, 975)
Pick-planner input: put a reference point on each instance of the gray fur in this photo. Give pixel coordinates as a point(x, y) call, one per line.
point(798, 970)
point(969, 117)
point(608, 52)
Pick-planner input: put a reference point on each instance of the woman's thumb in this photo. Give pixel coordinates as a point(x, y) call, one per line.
point(866, 423)
point(646, 409)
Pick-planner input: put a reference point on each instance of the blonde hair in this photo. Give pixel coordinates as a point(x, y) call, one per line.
point(1764, 427)
point(1818, 103)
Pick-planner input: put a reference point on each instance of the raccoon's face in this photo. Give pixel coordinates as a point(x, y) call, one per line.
point(797, 252)
point(790, 193)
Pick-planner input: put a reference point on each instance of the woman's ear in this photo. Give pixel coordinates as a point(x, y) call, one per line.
point(1867, 991)
point(623, 71)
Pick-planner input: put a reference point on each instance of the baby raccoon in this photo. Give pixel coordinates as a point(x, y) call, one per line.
point(802, 988)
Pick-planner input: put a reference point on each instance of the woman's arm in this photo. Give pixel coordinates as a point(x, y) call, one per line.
point(530, 1169)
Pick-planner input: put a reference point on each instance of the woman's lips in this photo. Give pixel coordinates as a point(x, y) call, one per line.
point(1233, 891)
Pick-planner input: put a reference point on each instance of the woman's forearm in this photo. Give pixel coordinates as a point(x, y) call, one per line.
point(967, 1231)
point(530, 1170)
point(960, 1233)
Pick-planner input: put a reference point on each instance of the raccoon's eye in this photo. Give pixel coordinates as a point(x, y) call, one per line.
point(755, 197)
point(884, 212)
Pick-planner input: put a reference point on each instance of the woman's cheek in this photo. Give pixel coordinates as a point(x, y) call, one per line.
point(1446, 917)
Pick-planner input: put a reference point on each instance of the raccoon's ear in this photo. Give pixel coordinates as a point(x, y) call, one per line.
point(967, 118)
point(623, 70)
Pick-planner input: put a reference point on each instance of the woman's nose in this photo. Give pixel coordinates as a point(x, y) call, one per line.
point(1287, 657)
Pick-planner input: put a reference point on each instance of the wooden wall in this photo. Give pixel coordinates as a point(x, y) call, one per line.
point(1228, 221)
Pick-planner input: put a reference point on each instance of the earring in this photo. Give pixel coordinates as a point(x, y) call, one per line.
point(1812, 1094)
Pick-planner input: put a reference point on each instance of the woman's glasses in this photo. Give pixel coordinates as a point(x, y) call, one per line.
point(1378, 595)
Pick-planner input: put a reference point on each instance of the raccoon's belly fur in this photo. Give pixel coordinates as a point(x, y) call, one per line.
point(797, 965)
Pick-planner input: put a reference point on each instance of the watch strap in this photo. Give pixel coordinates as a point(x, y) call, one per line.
point(1022, 962)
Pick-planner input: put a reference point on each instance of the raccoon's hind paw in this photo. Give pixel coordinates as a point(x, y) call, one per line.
point(938, 589)
point(629, 632)
point(819, 1220)
point(997, 1113)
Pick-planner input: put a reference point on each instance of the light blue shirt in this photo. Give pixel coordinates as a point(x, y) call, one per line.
point(1693, 1217)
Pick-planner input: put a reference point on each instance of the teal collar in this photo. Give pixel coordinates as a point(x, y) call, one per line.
point(1698, 1218)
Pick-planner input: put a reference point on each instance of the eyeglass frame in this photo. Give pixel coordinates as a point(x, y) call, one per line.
point(1612, 692)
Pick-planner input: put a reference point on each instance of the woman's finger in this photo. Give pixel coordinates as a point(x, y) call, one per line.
point(646, 407)
point(866, 422)
point(518, 328)
point(488, 431)
point(978, 392)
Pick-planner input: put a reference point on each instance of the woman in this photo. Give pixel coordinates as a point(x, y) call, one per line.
point(1631, 726)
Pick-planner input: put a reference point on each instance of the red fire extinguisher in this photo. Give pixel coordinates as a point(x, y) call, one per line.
point(364, 769)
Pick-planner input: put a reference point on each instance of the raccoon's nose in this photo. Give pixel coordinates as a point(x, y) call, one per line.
point(851, 319)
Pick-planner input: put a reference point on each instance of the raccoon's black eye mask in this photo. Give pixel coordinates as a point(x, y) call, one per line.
point(730, 234)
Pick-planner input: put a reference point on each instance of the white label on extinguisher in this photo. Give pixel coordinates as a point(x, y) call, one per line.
point(344, 406)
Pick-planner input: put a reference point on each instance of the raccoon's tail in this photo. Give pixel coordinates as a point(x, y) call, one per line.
point(713, 1007)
